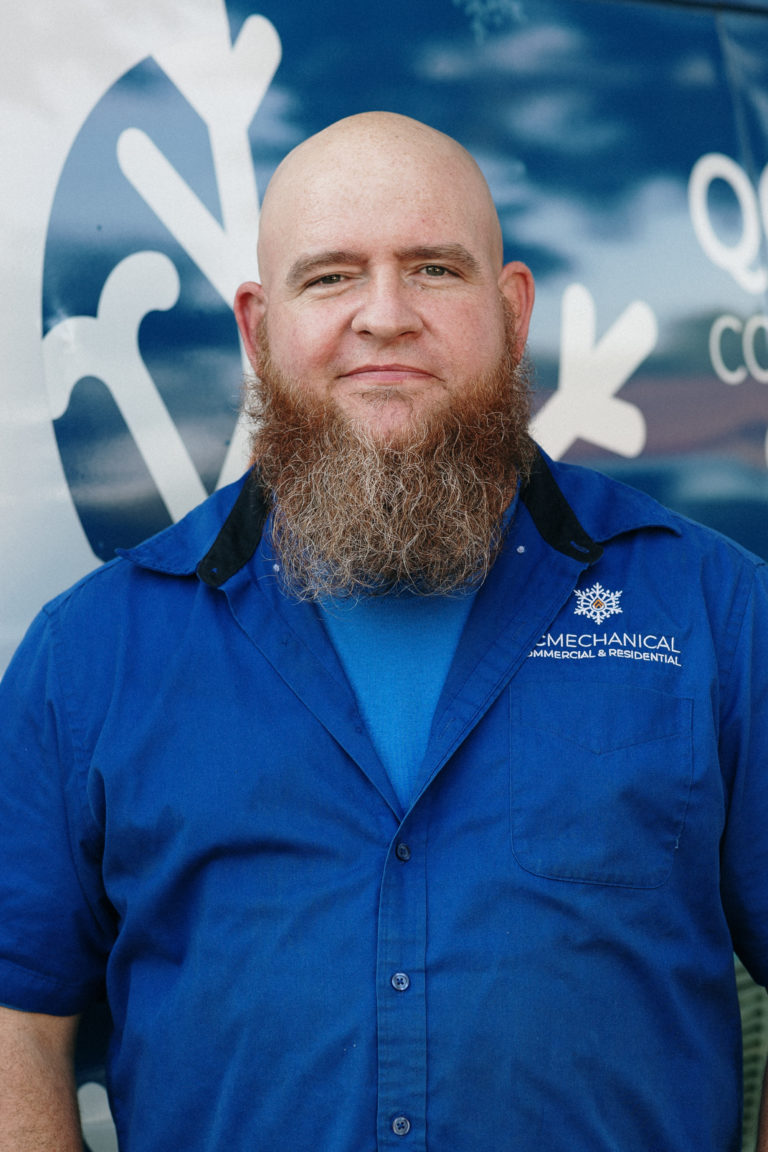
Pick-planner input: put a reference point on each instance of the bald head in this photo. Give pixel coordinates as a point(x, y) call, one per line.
point(383, 289)
point(363, 164)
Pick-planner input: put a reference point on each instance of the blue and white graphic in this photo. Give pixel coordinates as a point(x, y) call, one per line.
point(130, 333)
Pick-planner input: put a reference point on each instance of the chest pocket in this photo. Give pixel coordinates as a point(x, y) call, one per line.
point(600, 781)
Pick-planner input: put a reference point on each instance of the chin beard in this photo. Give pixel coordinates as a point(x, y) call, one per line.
point(356, 516)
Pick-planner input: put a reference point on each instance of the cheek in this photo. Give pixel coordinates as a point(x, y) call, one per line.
point(475, 339)
point(299, 346)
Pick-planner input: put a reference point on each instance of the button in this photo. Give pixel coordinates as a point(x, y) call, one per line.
point(401, 1125)
point(401, 981)
point(403, 852)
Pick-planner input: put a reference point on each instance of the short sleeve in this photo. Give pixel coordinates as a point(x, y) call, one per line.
point(54, 918)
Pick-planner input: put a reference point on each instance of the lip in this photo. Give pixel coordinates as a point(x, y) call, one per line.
point(386, 373)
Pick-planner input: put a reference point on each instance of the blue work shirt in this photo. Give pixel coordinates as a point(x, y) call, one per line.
point(537, 954)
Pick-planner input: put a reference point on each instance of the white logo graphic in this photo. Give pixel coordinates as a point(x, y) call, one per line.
point(225, 84)
point(597, 603)
point(734, 341)
point(585, 405)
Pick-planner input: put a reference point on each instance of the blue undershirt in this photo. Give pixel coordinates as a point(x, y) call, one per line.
point(396, 651)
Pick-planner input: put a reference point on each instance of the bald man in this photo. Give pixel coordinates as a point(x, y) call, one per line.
point(412, 792)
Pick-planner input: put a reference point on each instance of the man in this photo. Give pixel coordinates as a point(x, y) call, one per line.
point(413, 793)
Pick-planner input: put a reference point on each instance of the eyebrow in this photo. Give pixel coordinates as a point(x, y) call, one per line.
point(305, 265)
point(443, 253)
point(430, 253)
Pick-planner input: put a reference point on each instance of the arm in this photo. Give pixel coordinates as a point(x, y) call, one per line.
point(762, 1129)
point(38, 1103)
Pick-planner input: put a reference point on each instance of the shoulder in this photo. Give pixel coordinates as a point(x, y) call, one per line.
point(143, 589)
point(609, 509)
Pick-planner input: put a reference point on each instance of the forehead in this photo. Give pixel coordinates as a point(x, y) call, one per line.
point(377, 201)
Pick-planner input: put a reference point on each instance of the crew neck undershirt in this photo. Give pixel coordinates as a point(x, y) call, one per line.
point(396, 651)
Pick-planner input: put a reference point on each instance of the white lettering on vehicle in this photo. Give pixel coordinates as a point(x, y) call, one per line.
point(738, 346)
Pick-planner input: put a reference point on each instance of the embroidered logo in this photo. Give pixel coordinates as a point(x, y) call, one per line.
point(597, 603)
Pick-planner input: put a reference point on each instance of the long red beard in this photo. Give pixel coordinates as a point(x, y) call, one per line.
point(354, 516)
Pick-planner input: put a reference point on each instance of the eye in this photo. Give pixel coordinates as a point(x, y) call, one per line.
point(329, 278)
point(435, 270)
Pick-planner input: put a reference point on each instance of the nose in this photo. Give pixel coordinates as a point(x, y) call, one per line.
point(386, 308)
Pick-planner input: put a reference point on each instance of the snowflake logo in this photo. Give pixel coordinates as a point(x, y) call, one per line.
point(597, 603)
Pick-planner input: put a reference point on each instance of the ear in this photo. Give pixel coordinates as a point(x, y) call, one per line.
point(249, 308)
point(517, 287)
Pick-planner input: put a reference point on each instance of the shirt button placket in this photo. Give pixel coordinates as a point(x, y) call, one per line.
point(402, 1028)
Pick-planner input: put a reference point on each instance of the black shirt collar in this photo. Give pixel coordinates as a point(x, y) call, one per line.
point(239, 536)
